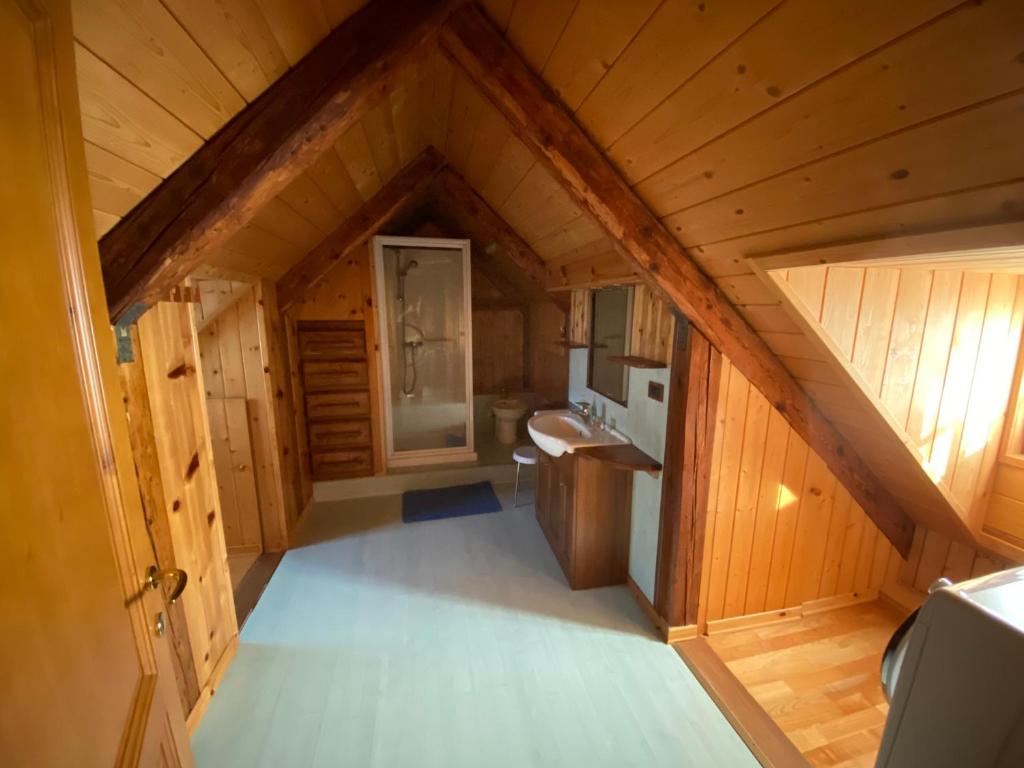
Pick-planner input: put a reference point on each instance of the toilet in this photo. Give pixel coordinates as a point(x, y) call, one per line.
point(507, 414)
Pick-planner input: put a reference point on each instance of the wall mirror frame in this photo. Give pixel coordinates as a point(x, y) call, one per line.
point(611, 315)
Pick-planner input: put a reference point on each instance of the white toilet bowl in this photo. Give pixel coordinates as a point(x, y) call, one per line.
point(507, 414)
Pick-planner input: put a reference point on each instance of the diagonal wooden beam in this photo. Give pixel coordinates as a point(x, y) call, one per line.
point(217, 190)
point(538, 118)
point(404, 190)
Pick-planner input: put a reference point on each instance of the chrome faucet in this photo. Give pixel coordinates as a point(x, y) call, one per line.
point(584, 409)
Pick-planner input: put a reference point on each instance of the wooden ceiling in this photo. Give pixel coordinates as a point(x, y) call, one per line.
point(746, 127)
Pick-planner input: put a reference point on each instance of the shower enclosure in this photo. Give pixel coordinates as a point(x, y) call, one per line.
point(424, 323)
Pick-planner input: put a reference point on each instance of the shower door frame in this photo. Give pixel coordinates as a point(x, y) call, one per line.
point(394, 458)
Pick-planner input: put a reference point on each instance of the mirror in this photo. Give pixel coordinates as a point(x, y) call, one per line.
point(609, 339)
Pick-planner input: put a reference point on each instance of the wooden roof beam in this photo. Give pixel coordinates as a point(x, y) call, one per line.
point(538, 118)
point(252, 158)
point(404, 190)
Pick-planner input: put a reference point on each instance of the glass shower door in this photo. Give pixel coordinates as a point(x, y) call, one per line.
point(424, 323)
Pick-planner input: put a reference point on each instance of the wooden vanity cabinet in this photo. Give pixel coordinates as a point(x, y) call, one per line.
point(583, 507)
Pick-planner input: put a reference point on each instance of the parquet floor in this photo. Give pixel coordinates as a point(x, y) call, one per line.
point(817, 677)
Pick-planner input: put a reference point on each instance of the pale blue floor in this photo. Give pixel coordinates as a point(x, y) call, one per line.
point(451, 643)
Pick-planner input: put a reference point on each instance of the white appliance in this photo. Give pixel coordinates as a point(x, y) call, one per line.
point(956, 678)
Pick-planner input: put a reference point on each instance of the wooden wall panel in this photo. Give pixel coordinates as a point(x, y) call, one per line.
point(781, 532)
point(652, 327)
point(937, 348)
point(548, 360)
point(236, 481)
point(184, 453)
point(240, 361)
point(498, 351)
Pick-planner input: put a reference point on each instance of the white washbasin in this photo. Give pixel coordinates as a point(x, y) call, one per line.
point(558, 432)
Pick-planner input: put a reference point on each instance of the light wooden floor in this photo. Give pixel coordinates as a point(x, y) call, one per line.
point(451, 643)
point(818, 678)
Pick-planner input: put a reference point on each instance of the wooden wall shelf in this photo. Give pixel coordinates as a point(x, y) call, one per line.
point(637, 362)
point(570, 344)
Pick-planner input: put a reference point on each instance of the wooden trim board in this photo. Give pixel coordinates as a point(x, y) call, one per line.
point(759, 732)
point(667, 633)
point(795, 613)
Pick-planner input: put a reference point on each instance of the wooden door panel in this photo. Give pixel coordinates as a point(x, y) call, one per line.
point(85, 680)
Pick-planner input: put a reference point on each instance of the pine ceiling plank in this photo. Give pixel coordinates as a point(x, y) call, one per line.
point(513, 162)
point(264, 147)
point(120, 118)
point(973, 47)
point(307, 198)
point(393, 197)
point(404, 103)
point(467, 109)
point(338, 11)
point(543, 124)
point(354, 151)
point(116, 185)
point(147, 46)
point(974, 147)
point(380, 137)
point(103, 221)
point(680, 38)
point(237, 37)
point(281, 219)
point(332, 177)
point(436, 107)
point(596, 34)
point(491, 134)
point(535, 27)
point(298, 25)
point(759, 70)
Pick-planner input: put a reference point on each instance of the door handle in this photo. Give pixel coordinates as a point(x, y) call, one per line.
point(156, 576)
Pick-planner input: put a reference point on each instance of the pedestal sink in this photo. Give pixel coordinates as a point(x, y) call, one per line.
point(558, 432)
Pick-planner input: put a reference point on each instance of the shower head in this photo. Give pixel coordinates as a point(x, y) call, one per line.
point(411, 264)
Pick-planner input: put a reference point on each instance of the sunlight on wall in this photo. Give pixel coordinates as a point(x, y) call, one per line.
point(785, 497)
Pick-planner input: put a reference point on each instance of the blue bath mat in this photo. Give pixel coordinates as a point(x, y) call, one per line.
point(457, 501)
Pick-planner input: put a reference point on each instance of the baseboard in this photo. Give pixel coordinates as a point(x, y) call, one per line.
point(210, 688)
point(794, 613)
point(667, 633)
point(759, 732)
point(901, 597)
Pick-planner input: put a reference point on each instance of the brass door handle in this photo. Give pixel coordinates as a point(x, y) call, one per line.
point(155, 577)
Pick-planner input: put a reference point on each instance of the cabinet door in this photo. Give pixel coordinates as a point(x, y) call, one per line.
point(545, 470)
point(564, 506)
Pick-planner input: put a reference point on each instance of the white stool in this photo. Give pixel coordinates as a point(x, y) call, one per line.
point(524, 454)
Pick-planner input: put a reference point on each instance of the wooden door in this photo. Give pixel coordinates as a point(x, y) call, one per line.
point(86, 681)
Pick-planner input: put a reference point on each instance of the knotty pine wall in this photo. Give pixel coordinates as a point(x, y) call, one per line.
point(937, 348)
point(241, 353)
point(781, 531)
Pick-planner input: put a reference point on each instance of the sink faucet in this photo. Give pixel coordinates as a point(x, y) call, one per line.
point(583, 409)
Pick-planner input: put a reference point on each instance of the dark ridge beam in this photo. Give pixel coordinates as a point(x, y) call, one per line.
point(264, 147)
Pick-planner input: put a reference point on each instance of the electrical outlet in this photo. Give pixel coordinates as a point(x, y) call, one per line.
point(656, 391)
